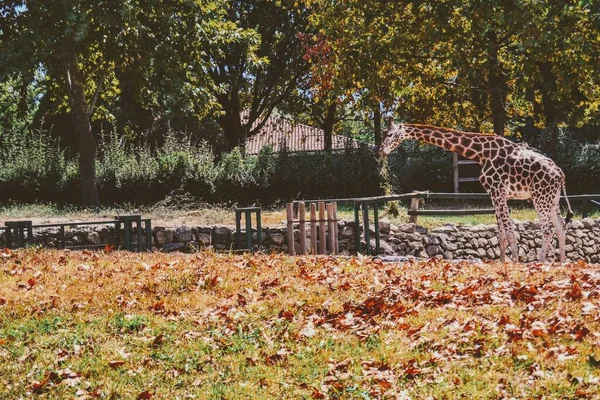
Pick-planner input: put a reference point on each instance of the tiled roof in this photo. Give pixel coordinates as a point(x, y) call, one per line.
point(279, 133)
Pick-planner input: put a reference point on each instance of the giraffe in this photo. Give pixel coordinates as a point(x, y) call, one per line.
point(508, 171)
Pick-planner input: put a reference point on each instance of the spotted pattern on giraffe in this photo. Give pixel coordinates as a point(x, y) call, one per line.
point(508, 171)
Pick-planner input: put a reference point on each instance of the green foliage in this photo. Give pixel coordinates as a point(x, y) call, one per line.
point(32, 165)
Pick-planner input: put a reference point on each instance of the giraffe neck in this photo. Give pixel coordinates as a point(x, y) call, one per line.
point(467, 144)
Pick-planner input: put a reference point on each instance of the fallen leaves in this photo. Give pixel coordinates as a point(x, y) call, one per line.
point(145, 395)
point(116, 363)
point(387, 331)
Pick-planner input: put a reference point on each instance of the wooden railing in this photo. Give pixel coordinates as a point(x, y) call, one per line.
point(362, 206)
point(326, 241)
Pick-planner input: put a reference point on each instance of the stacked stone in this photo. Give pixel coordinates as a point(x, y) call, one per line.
point(447, 242)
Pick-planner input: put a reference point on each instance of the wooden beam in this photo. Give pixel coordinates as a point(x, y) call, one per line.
point(313, 228)
point(414, 209)
point(290, 229)
point(302, 226)
point(476, 211)
point(322, 229)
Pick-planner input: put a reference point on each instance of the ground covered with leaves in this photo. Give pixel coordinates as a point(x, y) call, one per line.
point(207, 325)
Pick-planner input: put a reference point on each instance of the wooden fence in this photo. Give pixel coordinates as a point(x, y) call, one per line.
point(323, 230)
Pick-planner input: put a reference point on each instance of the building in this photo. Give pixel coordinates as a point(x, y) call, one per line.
point(281, 134)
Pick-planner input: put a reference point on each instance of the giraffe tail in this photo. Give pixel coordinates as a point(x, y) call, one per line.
point(570, 211)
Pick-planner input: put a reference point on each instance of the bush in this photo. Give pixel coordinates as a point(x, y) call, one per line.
point(34, 168)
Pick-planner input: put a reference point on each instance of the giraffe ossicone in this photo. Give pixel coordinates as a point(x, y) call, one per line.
point(508, 171)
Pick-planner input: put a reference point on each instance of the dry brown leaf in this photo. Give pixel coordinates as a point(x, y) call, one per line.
point(115, 363)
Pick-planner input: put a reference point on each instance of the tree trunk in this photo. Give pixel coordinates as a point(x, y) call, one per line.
point(547, 89)
point(496, 85)
point(328, 126)
point(86, 141)
point(377, 125)
point(231, 123)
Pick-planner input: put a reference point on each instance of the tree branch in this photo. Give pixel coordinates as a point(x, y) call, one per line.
point(99, 85)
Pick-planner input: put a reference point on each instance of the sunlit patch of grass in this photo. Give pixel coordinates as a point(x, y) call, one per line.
point(270, 326)
point(163, 215)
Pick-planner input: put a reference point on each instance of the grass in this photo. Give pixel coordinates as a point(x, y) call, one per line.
point(212, 326)
point(200, 214)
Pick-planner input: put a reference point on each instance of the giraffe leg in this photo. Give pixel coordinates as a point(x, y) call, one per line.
point(561, 233)
point(512, 239)
point(546, 210)
point(506, 232)
point(546, 236)
point(501, 240)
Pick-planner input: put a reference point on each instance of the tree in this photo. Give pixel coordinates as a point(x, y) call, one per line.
point(258, 65)
point(81, 47)
point(556, 62)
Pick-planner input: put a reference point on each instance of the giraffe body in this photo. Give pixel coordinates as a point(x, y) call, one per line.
point(508, 171)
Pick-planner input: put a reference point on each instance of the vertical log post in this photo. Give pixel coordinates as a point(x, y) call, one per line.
point(414, 206)
point(330, 228)
point(302, 220)
point(455, 172)
point(322, 234)
point(336, 246)
point(290, 229)
point(313, 228)
point(585, 206)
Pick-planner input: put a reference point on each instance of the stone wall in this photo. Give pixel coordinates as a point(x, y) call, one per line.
point(448, 242)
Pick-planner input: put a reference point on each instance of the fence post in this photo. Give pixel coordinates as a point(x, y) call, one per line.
point(336, 247)
point(357, 225)
point(248, 217)
point(376, 220)
point(322, 234)
point(455, 172)
point(62, 237)
point(258, 229)
point(365, 211)
point(238, 229)
point(127, 221)
point(313, 228)
point(148, 228)
point(330, 228)
point(16, 231)
point(302, 221)
point(585, 207)
point(290, 229)
point(414, 206)
point(139, 235)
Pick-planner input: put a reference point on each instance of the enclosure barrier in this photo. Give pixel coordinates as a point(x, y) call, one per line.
point(21, 233)
point(247, 212)
point(362, 205)
point(326, 241)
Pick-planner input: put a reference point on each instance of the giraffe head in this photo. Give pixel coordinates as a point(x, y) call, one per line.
point(395, 134)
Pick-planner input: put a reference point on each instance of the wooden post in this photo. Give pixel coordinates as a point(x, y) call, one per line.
point(414, 206)
point(322, 234)
point(302, 219)
point(330, 228)
point(313, 228)
point(455, 172)
point(336, 247)
point(290, 229)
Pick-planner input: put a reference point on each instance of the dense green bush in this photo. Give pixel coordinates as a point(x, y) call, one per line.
point(34, 168)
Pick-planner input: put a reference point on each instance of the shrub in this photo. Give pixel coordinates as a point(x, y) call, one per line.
point(34, 168)
point(31, 166)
